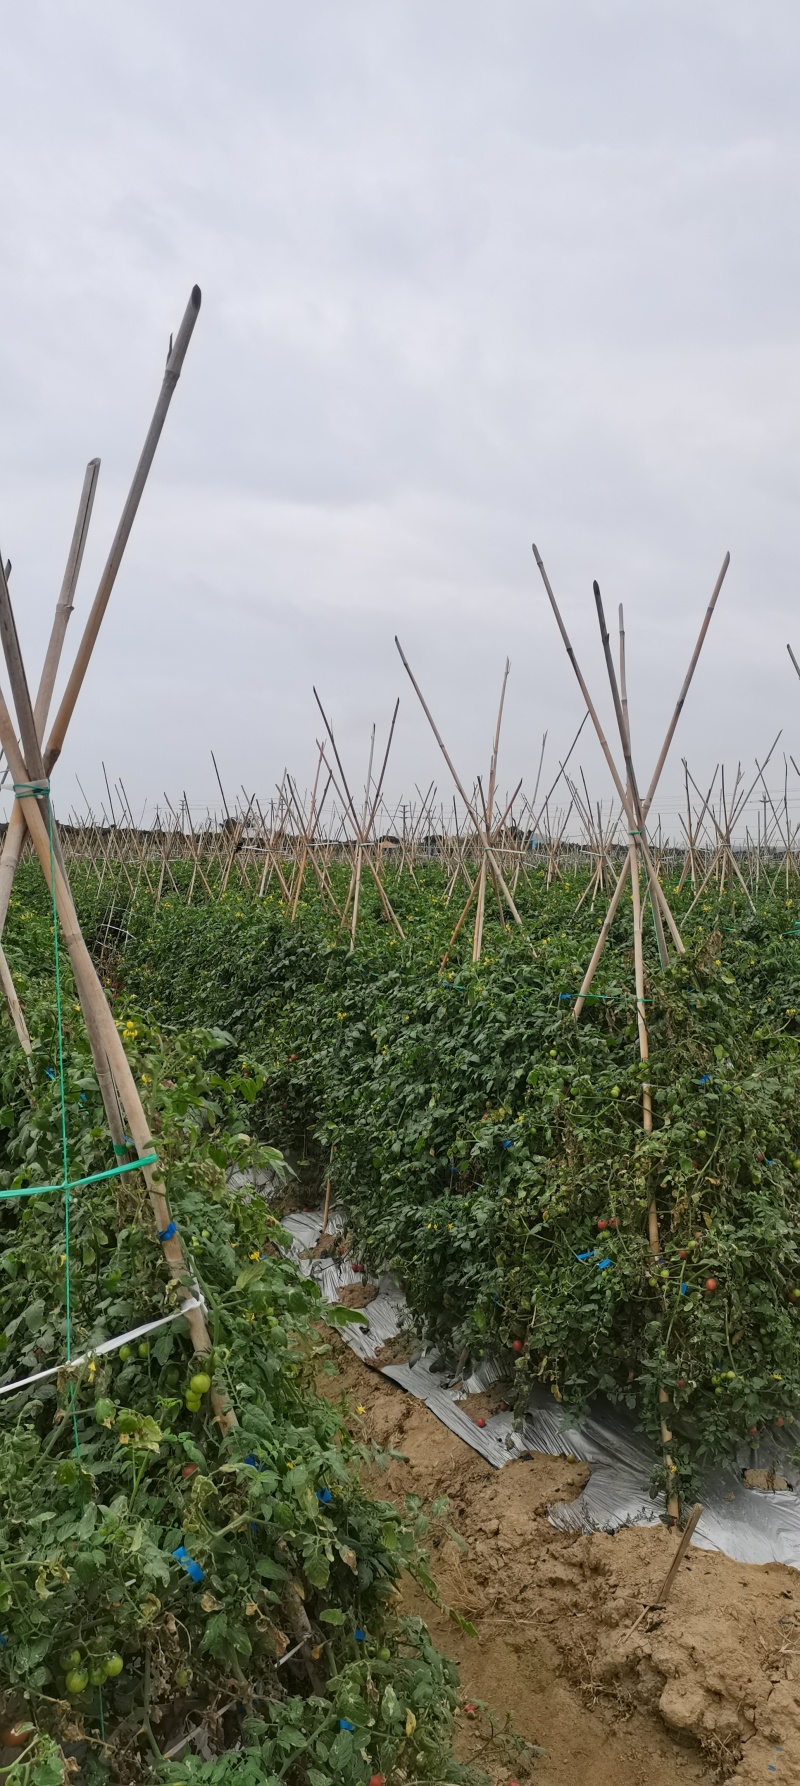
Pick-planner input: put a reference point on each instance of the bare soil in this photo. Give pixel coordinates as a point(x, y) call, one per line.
point(357, 1295)
point(706, 1690)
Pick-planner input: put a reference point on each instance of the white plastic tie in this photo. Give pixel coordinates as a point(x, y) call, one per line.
point(109, 1345)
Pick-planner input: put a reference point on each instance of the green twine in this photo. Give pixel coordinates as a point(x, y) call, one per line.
point(38, 1190)
point(24, 790)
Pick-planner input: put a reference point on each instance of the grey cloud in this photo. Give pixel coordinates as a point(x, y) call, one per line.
point(472, 275)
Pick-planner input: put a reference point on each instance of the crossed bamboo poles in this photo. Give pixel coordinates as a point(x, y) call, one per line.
point(487, 828)
point(31, 762)
point(364, 828)
point(636, 811)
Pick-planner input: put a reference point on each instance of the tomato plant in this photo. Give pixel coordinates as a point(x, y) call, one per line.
point(139, 1594)
point(492, 1151)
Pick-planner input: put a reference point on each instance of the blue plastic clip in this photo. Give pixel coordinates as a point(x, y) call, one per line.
point(705, 1079)
point(684, 1289)
point(344, 1724)
point(193, 1569)
point(167, 1233)
point(324, 1495)
point(508, 1144)
point(602, 1263)
point(359, 1635)
point(583, 1256)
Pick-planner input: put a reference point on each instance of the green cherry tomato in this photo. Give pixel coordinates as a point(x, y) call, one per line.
point(125, 1353)
point(143, 1348)
point(384, 1655)
point(77, 1681)
point(183, 1677)
point(97, 1674)
point(71, 1660)
point(200, 1383)
point(192, 1402)
point(113, 1665)
point(615, 1091)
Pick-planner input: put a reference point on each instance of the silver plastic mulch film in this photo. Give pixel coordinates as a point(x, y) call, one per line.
point(748, 1524)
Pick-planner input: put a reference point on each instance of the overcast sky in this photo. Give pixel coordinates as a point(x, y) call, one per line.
point(473, 275)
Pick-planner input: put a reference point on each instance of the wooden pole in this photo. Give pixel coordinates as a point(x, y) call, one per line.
point(632, 788)
point(686, 1538)
point(92, 997)
point(66, 596)
point(175, 359)
point(468, 803)
point(15, 833)
point(603, 742)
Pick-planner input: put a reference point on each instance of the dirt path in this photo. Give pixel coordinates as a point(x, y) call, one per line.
point(704, 1691)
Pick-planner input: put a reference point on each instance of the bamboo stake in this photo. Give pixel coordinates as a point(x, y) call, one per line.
point(656, 776)
point(175, 359)
point(686, 1538)
point(632, 787)
point(91, 994)
point(603, 742)
point(468, 803)
point(647, 1103)
point(66, 596)
point(15, 834)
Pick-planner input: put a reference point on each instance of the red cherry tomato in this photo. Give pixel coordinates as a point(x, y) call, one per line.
point(711, 1285)
point(682, 1253)
point(480, 1421)
point(602, 1223)
point(516, 1345)
point(16, 1736)
point(189, 1470)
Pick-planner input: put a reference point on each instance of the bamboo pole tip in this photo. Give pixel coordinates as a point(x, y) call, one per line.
point(197, 297)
